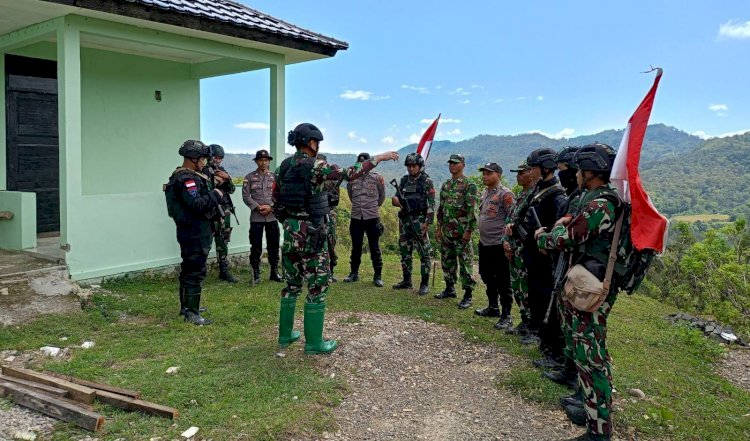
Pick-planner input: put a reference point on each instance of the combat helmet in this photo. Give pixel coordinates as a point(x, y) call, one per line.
point(194, 149)
point(303, 133)
point(595, 157)
point(543, 157)
point(567, 155)
point(414, 159)
point(217, 151)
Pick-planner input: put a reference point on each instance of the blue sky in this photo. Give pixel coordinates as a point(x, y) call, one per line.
point(495, 67)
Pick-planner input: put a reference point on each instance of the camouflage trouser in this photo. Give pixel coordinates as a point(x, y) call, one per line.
point(332, 221)
point(593, 364)
point(457, 255)
point(519, 285)
point(406, 244)
point(304, 258)
point(222, 235)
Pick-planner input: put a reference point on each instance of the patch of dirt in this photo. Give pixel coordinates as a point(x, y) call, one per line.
point(24, 298)
point(410, 379)
point(736, 368)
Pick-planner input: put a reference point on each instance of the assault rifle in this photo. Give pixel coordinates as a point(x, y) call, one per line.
point(222, 211)
point(408, 219)
point(560, 268)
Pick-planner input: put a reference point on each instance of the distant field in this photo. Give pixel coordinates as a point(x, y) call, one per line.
point(702, 217)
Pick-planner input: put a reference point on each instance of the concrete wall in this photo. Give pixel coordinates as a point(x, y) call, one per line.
point(18, 233)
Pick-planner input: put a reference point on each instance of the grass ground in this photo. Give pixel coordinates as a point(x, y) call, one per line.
point(690, 218)
point(232, 386)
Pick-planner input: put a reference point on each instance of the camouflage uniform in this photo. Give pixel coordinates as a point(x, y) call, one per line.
point(592, 227)
point(302, 257)
point(406, 239)
point(222, 225)
point(456, 215)
point(518, 273)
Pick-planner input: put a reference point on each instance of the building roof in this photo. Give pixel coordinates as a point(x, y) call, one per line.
point(218, 16)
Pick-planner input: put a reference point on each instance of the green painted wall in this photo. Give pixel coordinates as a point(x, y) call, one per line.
point(18, 233)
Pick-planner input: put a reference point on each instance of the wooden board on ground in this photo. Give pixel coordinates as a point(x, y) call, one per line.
point(132, 404)
point(56, 408)
point(49, 390)
point(76, 392)
point(98, 386)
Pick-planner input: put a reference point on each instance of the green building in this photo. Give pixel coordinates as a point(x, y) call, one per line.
point(98, 96)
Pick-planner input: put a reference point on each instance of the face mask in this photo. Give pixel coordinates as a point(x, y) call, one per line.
point(568, 179)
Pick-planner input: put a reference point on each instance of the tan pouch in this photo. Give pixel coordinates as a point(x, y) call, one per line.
point(584, 290)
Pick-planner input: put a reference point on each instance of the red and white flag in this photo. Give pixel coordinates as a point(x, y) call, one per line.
point(649, 228)
point(426, 142)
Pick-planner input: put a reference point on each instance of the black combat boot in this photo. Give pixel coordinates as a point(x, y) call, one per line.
point(377, 278)
point(405, 283)
point(352, 277)
point(466, 301)
point(506, 321)
point(521, 329)
point(548, 363)
point(275, 276)
point(576, 415)
point(487, 312)
point(224, 273)
point(448, 293)
point(575, 399)
point(531, 338)
point(567, 376)
point(192, 310)
point(255, 277)
point(182, 301)
point(424, 288)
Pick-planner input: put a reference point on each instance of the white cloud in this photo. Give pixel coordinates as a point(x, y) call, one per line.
point(464, 102)
point(252, 126)
point(352, 135)
point(389, 140)
point(540, 98)
point(363, 140)
point(422, 90)
point(414, 138)
point(454, 132)
point(460, 91)
point(738, 132)
point(701, 134)
point(718, 107)
point(520, 98)
point(362, 95)
point(477, 86)
point(732, 29)
point(562, 134)
point(499, 100)
point(442, 121)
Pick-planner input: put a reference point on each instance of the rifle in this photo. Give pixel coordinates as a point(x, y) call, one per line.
point(560, 267)
point(409, 219)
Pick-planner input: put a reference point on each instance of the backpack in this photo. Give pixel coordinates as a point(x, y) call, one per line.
point(634, 263)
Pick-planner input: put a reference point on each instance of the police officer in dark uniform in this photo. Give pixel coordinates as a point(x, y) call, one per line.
point(192, 205)
point(223, 222)
point(547, 200)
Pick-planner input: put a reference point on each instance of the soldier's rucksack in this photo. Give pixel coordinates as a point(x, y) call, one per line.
point(634, 263)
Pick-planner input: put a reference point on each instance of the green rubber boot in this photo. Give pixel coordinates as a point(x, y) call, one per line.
point(287, 335)
point(314, 317)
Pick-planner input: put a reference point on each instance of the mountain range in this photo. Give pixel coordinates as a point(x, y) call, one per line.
point(684, 174)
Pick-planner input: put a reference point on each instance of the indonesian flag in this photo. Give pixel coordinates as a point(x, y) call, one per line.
point(649, 228)
point(426, 142)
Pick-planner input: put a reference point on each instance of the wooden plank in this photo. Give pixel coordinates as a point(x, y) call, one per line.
point(97, 386)
point(75, 391)
point(133, 404)
point(56, 408)
point(49, 390)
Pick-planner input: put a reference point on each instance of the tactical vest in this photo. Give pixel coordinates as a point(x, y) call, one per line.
point(297, 195)
point(334, 197)
point(415, 193)
point(174, 209)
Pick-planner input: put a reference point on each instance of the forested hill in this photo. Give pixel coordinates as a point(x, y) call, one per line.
point(712, 178)
point(683, 173)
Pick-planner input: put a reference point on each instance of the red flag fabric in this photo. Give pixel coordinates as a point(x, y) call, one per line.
point(649, 228)
point(426, 142)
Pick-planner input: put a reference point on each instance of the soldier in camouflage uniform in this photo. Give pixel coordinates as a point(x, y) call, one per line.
point(223, 222)
point(416, 214)
point(456, 221)
point(332, 187)
point(301, 203)
point(587, 237)
point(513, 248)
